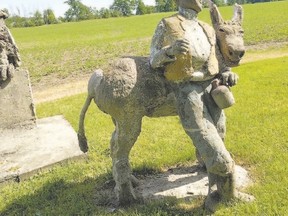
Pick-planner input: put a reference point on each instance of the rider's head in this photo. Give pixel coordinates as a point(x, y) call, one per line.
point(195, 5)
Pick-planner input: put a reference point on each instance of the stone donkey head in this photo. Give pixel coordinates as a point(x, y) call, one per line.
point(229, 35)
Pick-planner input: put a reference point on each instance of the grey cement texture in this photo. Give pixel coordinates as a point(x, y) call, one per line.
point(184, 183)
point(188, 182)
point(24, 152)
point(16, 102)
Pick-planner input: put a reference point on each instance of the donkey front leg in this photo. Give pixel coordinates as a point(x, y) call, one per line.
point(122, 141)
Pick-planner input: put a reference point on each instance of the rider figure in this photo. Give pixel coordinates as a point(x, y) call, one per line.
point(186, 50)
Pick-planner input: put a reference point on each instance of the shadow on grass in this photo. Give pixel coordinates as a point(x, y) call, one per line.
point(95, 196)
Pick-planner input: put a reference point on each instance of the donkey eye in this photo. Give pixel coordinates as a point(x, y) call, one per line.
point(221, 30)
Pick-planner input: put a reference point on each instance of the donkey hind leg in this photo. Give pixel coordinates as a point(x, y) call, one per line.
point(122, 141)
point(81, 128)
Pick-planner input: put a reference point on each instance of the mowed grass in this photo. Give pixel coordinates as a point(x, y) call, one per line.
point(257, 125)
point(73, 50)
point(257, 139)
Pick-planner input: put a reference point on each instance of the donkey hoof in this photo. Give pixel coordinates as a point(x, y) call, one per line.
point(212, 202)
point(127, 199)
point(126, 195)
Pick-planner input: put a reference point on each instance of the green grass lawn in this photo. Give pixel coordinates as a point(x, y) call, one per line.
point(76, 49)
point(257, 138)
point(257, 124)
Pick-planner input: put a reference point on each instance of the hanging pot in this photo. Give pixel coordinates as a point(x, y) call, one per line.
point(222, 94)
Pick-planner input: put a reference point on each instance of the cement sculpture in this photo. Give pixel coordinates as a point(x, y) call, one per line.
point(175, 80)
point(186, 49)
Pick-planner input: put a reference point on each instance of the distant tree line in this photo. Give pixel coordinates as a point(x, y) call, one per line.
point(78, 11)
point(38, 19)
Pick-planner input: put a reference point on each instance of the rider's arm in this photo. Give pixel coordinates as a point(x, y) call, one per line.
point(158, 54)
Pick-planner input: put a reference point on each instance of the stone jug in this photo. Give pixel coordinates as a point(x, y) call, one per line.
point(222, 94)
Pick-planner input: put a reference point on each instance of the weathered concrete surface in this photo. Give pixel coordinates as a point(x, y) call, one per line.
point(184, 183)
point(187, 183)
point(16, 103)
point(24, 152)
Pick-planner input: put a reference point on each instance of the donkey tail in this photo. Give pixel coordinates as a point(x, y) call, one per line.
point(93, 84)
point(81, 128)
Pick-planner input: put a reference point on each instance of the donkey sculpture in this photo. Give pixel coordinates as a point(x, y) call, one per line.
point(133, 90)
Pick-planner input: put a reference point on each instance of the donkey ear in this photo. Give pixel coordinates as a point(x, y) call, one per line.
point(238, 14)
point(215, 15)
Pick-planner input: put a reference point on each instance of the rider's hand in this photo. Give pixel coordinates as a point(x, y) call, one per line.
point(181, 46)
point(229, 78)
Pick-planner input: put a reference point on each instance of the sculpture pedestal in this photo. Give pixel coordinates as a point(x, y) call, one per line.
point(16, 102)
point(28, 145)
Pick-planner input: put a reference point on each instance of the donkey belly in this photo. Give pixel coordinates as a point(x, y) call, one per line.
point(166, 108)
point(133, 87)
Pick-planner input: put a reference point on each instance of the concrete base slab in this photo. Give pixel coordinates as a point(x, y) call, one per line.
point(24, 152)
point(185, 183)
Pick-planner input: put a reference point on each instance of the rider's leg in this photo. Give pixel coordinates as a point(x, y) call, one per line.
point(199, 125)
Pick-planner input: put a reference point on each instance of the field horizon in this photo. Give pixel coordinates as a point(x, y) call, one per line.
point(54, 53)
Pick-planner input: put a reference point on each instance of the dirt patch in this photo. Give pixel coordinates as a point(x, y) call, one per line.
point(267, 45)
point(260, 52)
point(67, 87)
